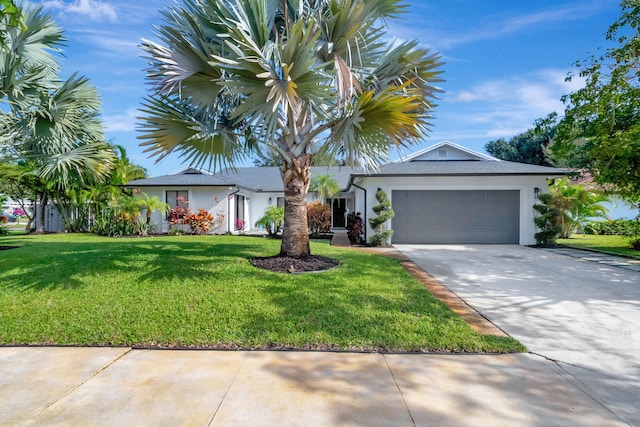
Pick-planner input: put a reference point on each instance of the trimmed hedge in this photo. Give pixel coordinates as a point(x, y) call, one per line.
point(618, 227)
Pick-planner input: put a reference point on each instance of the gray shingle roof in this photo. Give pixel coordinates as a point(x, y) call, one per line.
point(268, 179)
point(253, 178)
point(450, 168)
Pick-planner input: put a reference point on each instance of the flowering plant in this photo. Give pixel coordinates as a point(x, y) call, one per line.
point(199, 222)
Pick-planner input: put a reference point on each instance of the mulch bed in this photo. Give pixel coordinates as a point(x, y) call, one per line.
point(284, 264)
point(4, 248)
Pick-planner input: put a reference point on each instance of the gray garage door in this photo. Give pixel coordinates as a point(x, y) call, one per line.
point(455, 217)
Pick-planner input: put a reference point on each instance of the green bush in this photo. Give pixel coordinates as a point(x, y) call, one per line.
point(618, 227)
point(382, 235)
point(548, 221)
point(272, 220)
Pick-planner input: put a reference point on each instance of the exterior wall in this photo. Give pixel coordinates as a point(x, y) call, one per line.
point(212, 199)
point(527, 186)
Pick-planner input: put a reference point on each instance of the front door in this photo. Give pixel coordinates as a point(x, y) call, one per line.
point(338, 210)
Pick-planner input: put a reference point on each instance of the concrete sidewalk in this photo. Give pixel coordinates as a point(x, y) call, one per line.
point(119, 386)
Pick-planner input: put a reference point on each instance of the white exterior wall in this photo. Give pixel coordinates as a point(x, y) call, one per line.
point(199, 198)
point(525, 184)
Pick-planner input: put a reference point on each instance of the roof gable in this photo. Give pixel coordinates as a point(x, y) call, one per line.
point(446, 151)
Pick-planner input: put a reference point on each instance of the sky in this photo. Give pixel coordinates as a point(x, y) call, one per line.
point(505, 62)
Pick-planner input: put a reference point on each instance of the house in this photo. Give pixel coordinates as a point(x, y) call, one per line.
point(445, 193)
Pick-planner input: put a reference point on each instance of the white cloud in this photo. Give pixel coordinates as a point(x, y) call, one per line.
point(94, 9)
point(124, 122)
point(503, 108)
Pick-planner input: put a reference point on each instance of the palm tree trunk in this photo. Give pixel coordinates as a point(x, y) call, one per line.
point(295, 234)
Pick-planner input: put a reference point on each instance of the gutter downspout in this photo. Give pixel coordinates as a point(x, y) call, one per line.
point(364, 220)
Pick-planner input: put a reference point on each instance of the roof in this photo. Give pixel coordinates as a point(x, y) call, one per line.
point(459, 153)
point(259, 179)
point(442, 159)
point(455, 167)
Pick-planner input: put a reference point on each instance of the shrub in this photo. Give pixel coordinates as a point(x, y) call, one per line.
point(548, 221)
point(113, 223)
point(355, 228)
point(384, 213)
point(319, 218)
point(200, 222)
point(618, 227)
point(272, 220)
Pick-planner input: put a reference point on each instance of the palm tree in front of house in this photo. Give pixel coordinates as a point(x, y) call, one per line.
point(324, 187)
point(296, 78)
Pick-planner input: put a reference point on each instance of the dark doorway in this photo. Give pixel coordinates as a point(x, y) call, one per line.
point(338, 210)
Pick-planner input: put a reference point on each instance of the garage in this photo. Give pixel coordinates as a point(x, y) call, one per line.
point(456, 216)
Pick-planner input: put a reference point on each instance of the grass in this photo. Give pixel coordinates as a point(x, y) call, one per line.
point(612, 244)
point(202, 292)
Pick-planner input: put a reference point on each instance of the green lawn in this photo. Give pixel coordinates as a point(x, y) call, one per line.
point(202, 292)
point(612, 244)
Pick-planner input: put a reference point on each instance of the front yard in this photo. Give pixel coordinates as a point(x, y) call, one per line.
point(612, 244)
point(201, 292)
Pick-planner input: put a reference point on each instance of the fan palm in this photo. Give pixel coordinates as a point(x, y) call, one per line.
point(296, 78)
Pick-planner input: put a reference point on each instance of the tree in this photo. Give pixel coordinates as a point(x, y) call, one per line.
point(324, 187)
point(600, 130)
point(296, 78)
point(528, 147)
point(384, 212)
point(547, 221)
point(575, 205)
point(150, 205)
point(52, 123)
point(271, 220)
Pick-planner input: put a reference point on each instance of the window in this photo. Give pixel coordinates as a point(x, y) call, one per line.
point(442, 152)
point(178, 199)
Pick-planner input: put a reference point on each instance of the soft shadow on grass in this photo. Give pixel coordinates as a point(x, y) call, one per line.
point(201, 292)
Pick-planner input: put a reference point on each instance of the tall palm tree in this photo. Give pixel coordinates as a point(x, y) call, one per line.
point(294, 77)
point(53, 123)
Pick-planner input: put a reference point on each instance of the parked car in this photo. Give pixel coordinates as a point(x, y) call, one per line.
point(8, 216)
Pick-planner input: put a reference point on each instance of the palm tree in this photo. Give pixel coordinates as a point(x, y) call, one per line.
point(296, 78)
point(576, 204)
point(53, 123)
point(152, 204)
point(324, 187)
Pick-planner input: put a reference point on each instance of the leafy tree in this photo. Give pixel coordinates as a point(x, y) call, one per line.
point(324, 187)
point(600, 130)
point(20, 181)
point(575, 205)
point(296, 78)
point(384, 212)
point(528, 147)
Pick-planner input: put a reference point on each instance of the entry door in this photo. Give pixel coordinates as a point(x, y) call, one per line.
point(338, 210)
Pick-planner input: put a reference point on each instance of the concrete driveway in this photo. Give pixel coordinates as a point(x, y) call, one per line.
point(580, 314)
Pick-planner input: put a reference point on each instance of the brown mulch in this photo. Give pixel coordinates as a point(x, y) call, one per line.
point(284, 264)
point(4, 248)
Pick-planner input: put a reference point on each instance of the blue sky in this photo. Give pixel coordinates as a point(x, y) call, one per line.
point(505, 61)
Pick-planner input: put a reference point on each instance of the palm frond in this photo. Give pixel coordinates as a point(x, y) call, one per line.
point(203, 137)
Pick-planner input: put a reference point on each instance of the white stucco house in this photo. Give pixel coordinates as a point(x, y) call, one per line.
point(445, 193)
